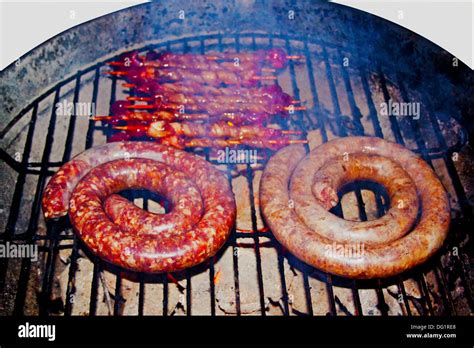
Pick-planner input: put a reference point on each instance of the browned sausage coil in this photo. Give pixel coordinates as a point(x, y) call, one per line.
point(297, 190)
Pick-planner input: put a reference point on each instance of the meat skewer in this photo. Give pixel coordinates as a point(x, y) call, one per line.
point(244, 97)
point(120, 112)
point(275, 57)
point(272, 144)
point(216, 105)
point(156, 90)
point(192, 62)
point(161, 129)
point(212, 109)
point(214, 77)
point(163, 115)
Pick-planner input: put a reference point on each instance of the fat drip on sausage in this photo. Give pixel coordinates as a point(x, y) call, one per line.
point(199, 223)
point(295, 189)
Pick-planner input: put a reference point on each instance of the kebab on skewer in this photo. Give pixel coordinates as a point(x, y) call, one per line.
point(217, 104)
point(215, 77)
point(156, 90)
point(160, 129)
point(173, 116)
point(272, 144)
point(275, 57)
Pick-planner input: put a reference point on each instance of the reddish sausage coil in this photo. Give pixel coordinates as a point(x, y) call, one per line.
point(297, 189)
point(202, 214)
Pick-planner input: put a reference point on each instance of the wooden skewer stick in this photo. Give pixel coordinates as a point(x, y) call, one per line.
point(294, 57)
point(139, 98)
point(131, 127)
point(141, 106)
point(151, 99)
point(264, 77)
point(292, 141)
point(103, 118)
point(116, 73)
point(295, 108)
point(291, 132)
point(114, 63)
point(149, 117)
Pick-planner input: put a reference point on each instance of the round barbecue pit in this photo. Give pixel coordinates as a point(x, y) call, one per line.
point(355, 75)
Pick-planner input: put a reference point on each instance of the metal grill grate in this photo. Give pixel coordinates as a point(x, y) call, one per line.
point(322, 69)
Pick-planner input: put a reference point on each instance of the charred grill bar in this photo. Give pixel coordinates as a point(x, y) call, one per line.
point(59, 235)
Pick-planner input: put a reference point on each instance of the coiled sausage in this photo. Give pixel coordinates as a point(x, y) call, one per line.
point(202, 214)
point(291, 178)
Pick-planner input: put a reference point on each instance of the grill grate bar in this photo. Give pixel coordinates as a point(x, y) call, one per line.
point(298, 120)
point(108, 131)
point(165, 294)
point(16, 200)
point(188, 292)
point(234, 233)
point(447, 293)
point(33, 223)
point(88, 144)
point(94, 287)
point(235, 261)
point(118, 299)
point(71, 284)
point(72, 120)
point(254, 234)
point(330, 290)
point(50, 268)
point(382, 305)
point(185, 49)
point(249, 177)
point(95, 92)
point(355, 295)
point(426, 294)
point(315, 96)
point(386, 96)
point(212, 285)
point(277, 246)
point(370, 102)
point(401, 290)
point(141, 295)
point(332, 88)
point(300, 124)
point(71, 287)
